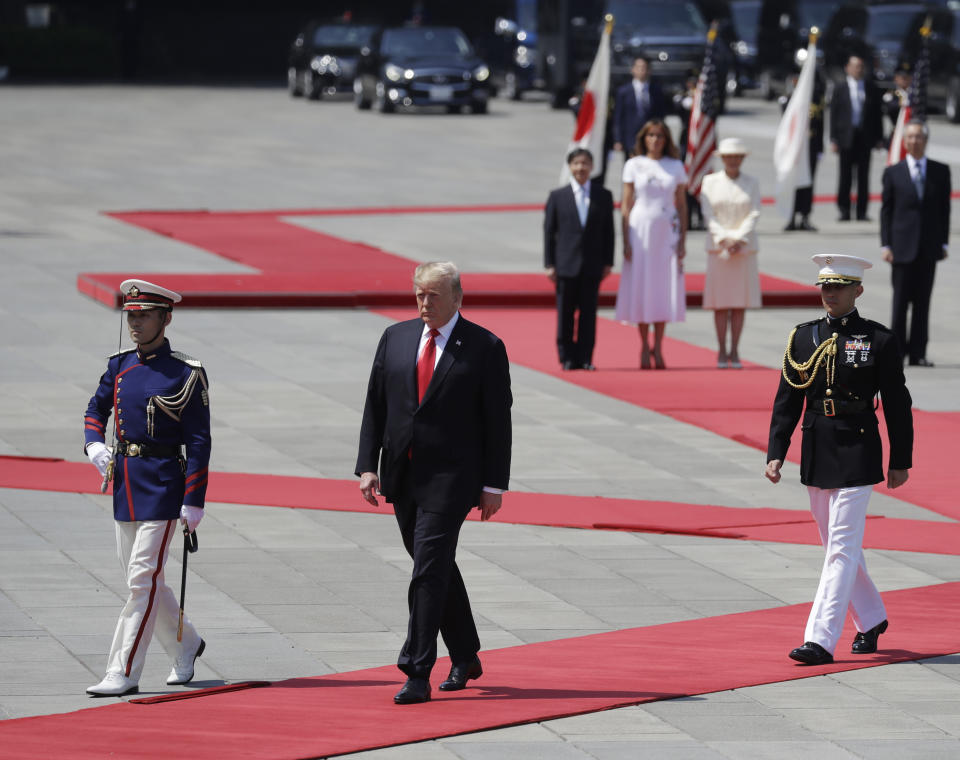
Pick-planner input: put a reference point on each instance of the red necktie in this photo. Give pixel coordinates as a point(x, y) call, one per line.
point(425, 364)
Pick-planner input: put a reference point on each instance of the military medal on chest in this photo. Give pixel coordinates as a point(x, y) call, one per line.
point(857, 349)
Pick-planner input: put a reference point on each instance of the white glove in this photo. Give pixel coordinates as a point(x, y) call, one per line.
point(99, 456)
point(191, 516)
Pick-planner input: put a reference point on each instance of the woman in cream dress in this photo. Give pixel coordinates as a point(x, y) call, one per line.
point(654, 209)
point(731, 205)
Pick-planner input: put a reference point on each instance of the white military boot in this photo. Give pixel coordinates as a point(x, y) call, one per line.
point(114, 685)
point(182, 671)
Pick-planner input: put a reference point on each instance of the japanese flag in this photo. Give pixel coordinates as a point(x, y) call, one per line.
point(791, 147)
point(592, 117)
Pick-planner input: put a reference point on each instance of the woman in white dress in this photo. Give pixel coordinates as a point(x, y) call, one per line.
point(654, 208)
point(730, 201)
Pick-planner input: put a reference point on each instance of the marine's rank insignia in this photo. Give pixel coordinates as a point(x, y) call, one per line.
point(204, 397)
point(857, 346)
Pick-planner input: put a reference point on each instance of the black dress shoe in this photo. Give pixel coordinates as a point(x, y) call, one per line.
point(414, 691)
point(866, 642)
point(921, 362)
point(569, 365)
point(844, 217)
point(588, 366)
point(811, 653)
point(460, 674)
point(806, 225)
point(790, 227)
point(863, 218)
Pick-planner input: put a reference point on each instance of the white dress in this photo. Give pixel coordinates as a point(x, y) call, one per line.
point(651, 283)
point(731, 208)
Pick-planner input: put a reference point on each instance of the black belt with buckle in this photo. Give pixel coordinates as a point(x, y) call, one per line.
point(128, 449)
point(830, 407)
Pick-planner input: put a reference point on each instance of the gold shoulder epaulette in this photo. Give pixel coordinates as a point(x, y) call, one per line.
point(186, 359)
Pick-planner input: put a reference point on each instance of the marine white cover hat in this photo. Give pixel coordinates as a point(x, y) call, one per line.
point(140, 295)
point(839, 268)
point(732, 146)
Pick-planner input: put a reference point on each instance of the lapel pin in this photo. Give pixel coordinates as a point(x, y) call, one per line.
point(458, 342)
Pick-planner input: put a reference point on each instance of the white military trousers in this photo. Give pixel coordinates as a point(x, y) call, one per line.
point(841, 514)
point(142, 548)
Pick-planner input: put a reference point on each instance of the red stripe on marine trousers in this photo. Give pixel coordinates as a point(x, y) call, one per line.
point(153, 593)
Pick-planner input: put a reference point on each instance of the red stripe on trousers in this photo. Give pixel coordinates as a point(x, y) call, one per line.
point(153, 593)
point(126, 485)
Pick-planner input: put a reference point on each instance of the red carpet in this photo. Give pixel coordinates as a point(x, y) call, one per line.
point(298, 267)
point(748, 524)
point(351, 712)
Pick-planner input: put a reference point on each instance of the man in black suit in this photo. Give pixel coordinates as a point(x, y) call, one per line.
point(437, 422)
point(914, 232)
point(578, 254)
point(856, 128)
point(638, 101)
point(833, 368)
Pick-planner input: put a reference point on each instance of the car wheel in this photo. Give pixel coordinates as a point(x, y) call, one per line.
point(952, 105)
point(311, 87)
point(293, 83)
point(766, 86)
point(478, 106)
point(453, 109)
point(361, 101)
point(383, 103)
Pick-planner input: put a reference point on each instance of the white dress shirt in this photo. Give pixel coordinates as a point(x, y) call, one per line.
point(581, 195)
point(857, 96)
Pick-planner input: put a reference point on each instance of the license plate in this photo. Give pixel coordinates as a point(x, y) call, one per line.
point(441, 92)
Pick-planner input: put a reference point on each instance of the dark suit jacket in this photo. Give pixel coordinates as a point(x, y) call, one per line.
point(845, 450)
point(628, 119)
point(454, 443)
point(841, 116)
point(909, 227)
point(578, 251)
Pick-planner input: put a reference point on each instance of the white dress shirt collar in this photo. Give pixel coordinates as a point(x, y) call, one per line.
point(913, 163)
point(577, 186)
point(441, 340)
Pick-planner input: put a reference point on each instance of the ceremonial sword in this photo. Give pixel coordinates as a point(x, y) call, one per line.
point(190, 545)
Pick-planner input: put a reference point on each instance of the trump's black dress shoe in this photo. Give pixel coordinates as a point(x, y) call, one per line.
point(921, 362)
point(414, 691)
point(460, 674)
point(806, 225)
point(866, 642)
point(811, 653)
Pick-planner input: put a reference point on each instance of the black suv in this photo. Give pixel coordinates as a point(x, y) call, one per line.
point(323, 58)
point(421, 66)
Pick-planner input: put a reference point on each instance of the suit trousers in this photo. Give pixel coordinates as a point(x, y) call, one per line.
point(841, 514)
point(858, 154)
point(577, 294)
point(437, 598)
point(142, 548)
point(912, 287)
point(803, 198)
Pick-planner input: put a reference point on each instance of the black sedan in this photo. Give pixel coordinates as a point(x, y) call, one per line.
point(421, 66)
point(323, 58)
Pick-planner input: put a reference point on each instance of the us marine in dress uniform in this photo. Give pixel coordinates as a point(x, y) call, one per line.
point(161, 427)
point(833, 368)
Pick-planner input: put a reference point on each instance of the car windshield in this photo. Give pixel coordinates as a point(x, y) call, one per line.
point(658, 19)
point(746, 17)
point(341, 35)
point(890, 23)
point(815, 13)
point(416, 41)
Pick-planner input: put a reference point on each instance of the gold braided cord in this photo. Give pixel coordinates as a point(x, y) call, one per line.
point(825, 354)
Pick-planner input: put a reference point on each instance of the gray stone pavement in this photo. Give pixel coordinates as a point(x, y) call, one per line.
point(280, 592)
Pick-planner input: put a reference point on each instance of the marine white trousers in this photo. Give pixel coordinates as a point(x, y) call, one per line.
point(142, 548)
point(841, 514)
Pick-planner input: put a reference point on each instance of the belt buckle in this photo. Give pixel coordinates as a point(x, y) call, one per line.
point(133, 449)
point(829, 410)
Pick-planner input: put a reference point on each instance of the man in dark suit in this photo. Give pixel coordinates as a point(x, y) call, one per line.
point(437, 423)
point(914, 232)
point(578, 254)
point(638, 101)
point(833, 368)
point(856, 128)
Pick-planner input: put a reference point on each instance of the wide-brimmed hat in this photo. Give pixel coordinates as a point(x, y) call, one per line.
point(732, 146)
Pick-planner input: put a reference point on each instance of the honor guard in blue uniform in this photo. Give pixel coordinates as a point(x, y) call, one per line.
point(158, 464)
point(833, 368)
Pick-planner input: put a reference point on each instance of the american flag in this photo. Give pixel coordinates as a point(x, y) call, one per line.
point(916, 106)
point(702, 136)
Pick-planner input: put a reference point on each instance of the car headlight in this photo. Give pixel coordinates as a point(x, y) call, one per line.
point(521, 56)
point(393, 73)
point(742, 48)
point(481, 73)
point(800, 56)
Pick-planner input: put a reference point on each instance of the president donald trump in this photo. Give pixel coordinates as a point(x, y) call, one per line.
point(437, 422)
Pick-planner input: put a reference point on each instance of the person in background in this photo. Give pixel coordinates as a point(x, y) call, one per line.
point(731, 207)
point(682, 105)
point(578, 254)
point(636, 102)
point(803, 196)
point(654, 211)
point(898, 97)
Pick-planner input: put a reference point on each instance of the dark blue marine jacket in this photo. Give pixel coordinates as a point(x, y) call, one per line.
point(159, 399)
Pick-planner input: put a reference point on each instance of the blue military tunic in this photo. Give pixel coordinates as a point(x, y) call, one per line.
point(159, 399)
